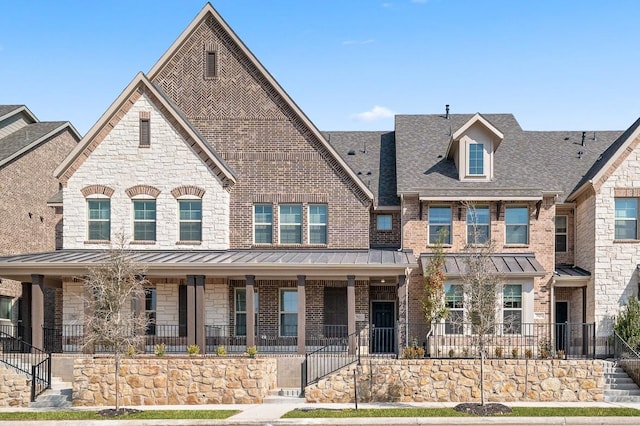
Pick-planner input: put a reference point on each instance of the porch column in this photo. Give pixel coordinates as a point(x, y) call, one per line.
point(302, 317)
point(351, 312)
point(251, 310)
point(37, 311)
point(199, 313)
point(139, 306)
point(191, 308)
point(26, 312)
point(402, 311)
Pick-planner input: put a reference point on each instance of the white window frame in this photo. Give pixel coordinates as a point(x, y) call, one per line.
point(473, 224)
point(91, 199)
point(256, 223)
point(297, 224)
point(383, 227)
point(181, 221)
point(282, 312)
point(449, 225)
point(451, 327)
point(239, 312)
point(136, 221)
point(565, 234)
point(6, 306)
point(506, 225)
point(318, 224)
point(482, 159)
point(624, 219)
point(506, 309)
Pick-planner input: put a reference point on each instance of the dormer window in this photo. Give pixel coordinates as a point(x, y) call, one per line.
point(476, 159)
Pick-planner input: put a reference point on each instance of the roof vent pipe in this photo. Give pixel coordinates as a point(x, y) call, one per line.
point(446, 108)
point(584, 135)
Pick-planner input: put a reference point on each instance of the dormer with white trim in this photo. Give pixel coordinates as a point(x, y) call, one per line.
point(472, 147)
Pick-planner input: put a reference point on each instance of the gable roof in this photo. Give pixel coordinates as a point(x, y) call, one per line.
point(208, 10)
point(607, 160)
point(29, 136)
point(76, 157)
point(372, 156)
point(477, 118)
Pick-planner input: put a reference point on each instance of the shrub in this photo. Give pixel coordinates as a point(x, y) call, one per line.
point(628, 323)
point(252, 351)
point(193, 350)
point(528, 353)
point(160, 349)
point(514, 352)
point(221, 351)
point(130, 352)
point(498, 351)
point(451, 353)
point(413, 352)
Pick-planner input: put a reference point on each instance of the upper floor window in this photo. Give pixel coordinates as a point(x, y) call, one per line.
point(517, 225)
point(263, 224)
point(626, 226)
point(98, 219)
point(561, 233)
point(291, 224)
point(288, 312)
point(383, 222)
point(512, 308)
point(145, 132)
point(476, 159)
point(478, 226)
point(144, 220)
point(190, 220)
point(317, 224)
point(439, 225)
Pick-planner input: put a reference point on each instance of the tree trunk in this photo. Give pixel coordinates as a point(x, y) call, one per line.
point(482, 377)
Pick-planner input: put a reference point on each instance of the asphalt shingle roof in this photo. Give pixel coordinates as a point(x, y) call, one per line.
point(25, 136)
point(6, 109)
point(371, 155)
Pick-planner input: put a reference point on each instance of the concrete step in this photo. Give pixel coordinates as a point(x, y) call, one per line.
point(283, 400)
point(285, 392)
point(58, 396)
point(624, 398)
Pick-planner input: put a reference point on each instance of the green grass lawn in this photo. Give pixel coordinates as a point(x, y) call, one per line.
point(450, 412)
point(142, 415)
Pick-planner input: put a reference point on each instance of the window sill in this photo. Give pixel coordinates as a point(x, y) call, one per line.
point(626, 241)
point(266, 245)
point(516, 245)
point(97, 242)
point(186, 243)
point(431, 246)
point(143, 242)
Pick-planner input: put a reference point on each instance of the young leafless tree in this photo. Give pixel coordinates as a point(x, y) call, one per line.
point(114, 294)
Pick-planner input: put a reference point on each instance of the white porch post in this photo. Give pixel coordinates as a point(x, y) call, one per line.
point(251, 310)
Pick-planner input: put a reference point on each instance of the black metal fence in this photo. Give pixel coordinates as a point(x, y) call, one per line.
point(330, 358)
point(31, 361)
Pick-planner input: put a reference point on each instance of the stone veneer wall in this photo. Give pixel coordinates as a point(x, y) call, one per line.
point(457, 380)
point(15, 389)
point(173, 380)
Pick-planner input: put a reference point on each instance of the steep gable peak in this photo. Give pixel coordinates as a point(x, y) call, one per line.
point(119, 108)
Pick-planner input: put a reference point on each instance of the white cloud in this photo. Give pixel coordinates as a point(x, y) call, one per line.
point(376, 113)
point(347, 42)
point(387, 4)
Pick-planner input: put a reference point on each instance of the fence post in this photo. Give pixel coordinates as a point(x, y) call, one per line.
point(359, 346)
point(33, 383)
point(594, 340)
point(303, 375)
point(566, 338)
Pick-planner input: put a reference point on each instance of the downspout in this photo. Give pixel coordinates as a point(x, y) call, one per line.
point(407, 273)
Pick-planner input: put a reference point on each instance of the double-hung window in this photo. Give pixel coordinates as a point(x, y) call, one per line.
point(288, 312)
point(626, 226)
point(317, 224)
point(144, 220)
point(478, 225)
point(99, 219)
point(291, 224)
point(512, 308)
point(384, 222)
point(241, 310)
point(454, 300)
point(190, 220)
point(6, 307)
point(263, 224)
point(150, 306)
point(439, 225)
point(561, 233)
point(517, 225)
point(476, 159)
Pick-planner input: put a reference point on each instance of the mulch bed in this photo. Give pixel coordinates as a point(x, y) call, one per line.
point(112, 412)
point(482, 410)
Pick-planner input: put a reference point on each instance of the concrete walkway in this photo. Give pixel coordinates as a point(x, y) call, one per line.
point(269, 415)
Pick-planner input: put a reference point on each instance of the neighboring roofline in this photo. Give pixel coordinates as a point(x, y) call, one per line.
point(41, 139)
point(208, 8)
point(476, 118)
point(141, 79)
point(21, 108)
point(481, 198)
point(605, 167)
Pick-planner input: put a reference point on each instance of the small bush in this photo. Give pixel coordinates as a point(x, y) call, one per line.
point(465, 352)
point(628, 323)
point(413, 352)
point(451, 353)
point(252, 351)
point(498, 351)
point(514, 352)
point(528, 353)
point(160, 349)
point(221, 351)
point(130, 352)
point(193, 350)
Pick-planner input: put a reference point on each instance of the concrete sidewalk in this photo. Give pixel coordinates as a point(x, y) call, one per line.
point(269, 414)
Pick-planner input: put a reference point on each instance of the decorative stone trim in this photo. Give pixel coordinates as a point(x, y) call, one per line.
point(145, 115)
point(291, 198)
point(97, 189)
point(183, 190)
point(626, 192)
point(142, 190)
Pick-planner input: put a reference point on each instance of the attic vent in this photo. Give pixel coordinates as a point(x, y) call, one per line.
point(210, 66)
point(446, 109)
point(584, 135)
point(351, 152)
point(580, 153)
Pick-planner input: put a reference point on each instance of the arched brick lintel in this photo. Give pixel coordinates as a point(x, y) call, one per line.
point(183, 190)
point(97, 189)
point(142, 190)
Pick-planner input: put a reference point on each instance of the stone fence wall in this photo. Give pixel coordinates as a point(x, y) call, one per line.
point(458, 380)
point(15, 389)
point(173, 380)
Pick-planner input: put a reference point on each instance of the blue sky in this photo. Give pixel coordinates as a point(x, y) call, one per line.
point(349, 64)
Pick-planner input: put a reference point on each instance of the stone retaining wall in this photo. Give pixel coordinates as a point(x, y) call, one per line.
point(458, 380)
point(173, 380)
point(15, 389)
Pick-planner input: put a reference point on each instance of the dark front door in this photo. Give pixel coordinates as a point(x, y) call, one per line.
point(383, 327)
point(562, 317)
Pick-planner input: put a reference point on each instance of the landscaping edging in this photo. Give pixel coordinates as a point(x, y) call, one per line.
point(173, 380)
point(457, 380)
